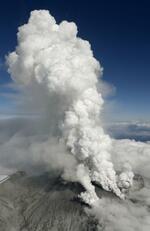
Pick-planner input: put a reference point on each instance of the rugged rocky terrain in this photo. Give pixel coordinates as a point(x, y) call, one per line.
point(41, 203)
point(45, 203)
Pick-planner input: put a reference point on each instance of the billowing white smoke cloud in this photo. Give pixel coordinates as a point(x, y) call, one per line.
point(51, 58)
point(137, 154)
point(116, 215)
point(25, 146)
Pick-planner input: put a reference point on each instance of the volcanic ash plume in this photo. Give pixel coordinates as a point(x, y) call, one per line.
point(51, 57)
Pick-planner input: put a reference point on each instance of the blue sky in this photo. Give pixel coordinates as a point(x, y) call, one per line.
point(119, 32)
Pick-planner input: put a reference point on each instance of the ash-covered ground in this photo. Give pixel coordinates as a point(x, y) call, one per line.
point(42, 203)
point(46, 203)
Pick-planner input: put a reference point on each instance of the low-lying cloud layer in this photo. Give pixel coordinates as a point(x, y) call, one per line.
point(139, 131)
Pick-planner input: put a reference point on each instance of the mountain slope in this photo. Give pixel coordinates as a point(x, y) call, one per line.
point(41, 203)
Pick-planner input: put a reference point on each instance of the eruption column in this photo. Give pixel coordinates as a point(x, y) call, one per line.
point(52, 57)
